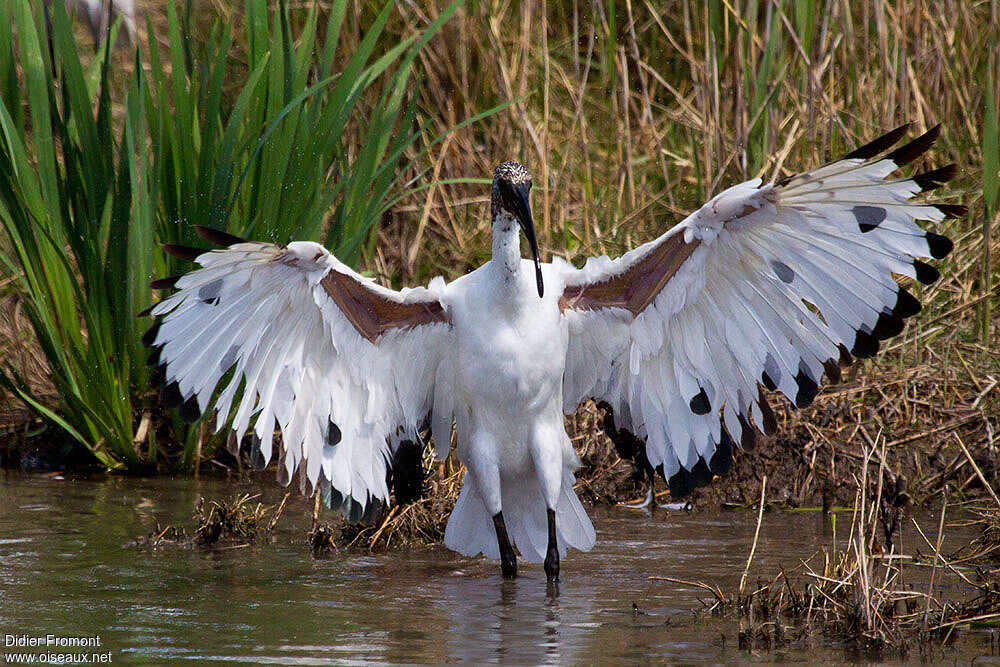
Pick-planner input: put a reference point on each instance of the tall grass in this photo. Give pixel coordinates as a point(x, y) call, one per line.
point(991, 183)
point(649, 108)
point(629, 113)
point(87, 185)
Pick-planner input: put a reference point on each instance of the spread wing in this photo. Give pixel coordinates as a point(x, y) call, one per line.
point(764, 285)
point(342, 366)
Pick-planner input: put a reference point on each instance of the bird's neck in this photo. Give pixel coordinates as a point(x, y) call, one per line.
point(506, 247)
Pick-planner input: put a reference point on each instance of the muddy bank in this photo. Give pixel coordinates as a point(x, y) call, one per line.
point(814, 460)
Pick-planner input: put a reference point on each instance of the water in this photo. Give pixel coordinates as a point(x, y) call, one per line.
point(67, 568)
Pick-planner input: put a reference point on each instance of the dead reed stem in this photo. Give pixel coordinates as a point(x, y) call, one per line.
point(937, 553)
point(756, 534)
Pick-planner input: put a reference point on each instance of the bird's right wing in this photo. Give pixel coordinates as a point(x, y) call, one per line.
point(341, 365)
point(765, 284)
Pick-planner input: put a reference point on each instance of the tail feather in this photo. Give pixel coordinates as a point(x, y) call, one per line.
point(575, 527)
point(470, 528)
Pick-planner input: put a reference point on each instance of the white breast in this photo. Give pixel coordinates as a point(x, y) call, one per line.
point(511, 352)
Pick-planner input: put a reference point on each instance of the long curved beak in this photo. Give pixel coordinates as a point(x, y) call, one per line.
point(523, 205)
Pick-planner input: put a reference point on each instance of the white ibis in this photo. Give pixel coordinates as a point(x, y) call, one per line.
point(765, 285)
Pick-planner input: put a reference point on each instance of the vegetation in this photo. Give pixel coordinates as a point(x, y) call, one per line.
point(628, 114)
point(873, 595)
point(87, 193)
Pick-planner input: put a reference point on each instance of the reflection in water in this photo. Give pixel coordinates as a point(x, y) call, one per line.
point(65, 569)
point(523, 621)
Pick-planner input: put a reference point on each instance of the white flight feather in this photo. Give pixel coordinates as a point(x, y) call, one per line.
point(726, 315)
point(300, 362)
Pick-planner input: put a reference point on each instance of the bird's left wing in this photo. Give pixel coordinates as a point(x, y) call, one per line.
point(764, 285)
point(342, 366)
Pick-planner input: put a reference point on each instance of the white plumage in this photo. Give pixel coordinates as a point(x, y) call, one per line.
point(675, 336)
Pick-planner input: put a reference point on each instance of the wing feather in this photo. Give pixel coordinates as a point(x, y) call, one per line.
point(764, 286)
point(335, 362)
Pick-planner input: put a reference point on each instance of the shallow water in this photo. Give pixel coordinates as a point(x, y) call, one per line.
point(67, 569)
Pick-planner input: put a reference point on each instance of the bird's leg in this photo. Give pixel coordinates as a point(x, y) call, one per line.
point(508, 559)
point(552, 554)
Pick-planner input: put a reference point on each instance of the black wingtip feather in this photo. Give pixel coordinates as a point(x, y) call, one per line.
point(158, 377)
point(149, 337)
point(906, 304)
point(722, 459)
point(930, 180)
point(683, 482)
point(767, 381)
point(767, 414)
point(257, 460)
point(165, 283)
point(879, 145)
point(748, 433)
point(699, 403)
point(153, 360)
point(146, 312)
point(888, 325)
point(680, 484)
point(182, 251)
point(807, 389)
point(406, 473)
point(865, 345)
point(190, 412)
point(170, 396)
point(952, 210)
point(217, 236)
point(701, 475)
point(916, 148)
point(832, 369)
point(938, 245)
point(926, 273)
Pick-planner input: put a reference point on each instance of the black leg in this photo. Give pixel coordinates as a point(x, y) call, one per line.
point(508, 559)
point(552, 554)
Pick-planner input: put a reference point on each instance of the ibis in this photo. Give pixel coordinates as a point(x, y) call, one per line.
point(763, 290)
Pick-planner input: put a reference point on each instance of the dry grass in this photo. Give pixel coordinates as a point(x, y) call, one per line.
point(630, 120)
point(869, 593)
point(626, 130)
point(237, 522)
point(219, 524)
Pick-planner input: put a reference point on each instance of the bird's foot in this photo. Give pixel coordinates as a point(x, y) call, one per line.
point(508, 559)
point(552, 565)
point(508, 565)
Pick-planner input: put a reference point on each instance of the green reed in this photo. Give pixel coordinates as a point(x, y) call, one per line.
point(259, 144)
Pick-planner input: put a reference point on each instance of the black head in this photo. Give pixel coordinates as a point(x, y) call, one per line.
point(511, 197)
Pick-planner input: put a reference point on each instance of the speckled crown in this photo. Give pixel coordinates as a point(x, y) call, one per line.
point(508, 173)
point(512, 172)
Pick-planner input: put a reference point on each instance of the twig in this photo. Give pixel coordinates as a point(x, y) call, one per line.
point(381, 529)
point(959, 621)
point(753, 547)
point(937, 550)
point(716, 591)
point(274, 519)
point(943, 559)
point(315, 517)
point(979, 472)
